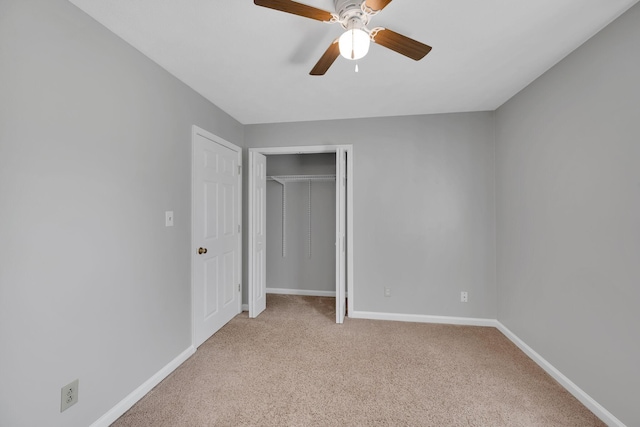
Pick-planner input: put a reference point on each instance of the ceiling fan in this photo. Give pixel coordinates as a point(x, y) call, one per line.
point(353, 16)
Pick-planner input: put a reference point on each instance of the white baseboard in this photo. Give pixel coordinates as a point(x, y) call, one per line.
point(421, 318)
point(604, 415)
point(125, 404)
point(245, 307)
point(303, 292)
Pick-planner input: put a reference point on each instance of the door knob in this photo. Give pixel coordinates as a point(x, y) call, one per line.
point(202, 251)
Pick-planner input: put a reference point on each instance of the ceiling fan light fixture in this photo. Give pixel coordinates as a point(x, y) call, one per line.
point(354, 44)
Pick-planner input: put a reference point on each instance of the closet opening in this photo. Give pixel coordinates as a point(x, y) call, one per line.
point(300, 224)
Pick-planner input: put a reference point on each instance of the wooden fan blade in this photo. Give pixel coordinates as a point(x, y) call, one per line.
point(402, 44)
point(327, 59)
point(296, 9)
point(377, 5)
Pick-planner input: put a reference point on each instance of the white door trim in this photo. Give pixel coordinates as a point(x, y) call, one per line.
point(350, 282)
point(195, 131)
point(256, 305)
point(316, 149)
point(341, 236)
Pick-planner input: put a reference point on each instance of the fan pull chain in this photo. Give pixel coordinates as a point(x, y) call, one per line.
point(353, 44)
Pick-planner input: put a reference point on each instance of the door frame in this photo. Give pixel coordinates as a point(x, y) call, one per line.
point(254, 308)
point(316, 149)
point(195, 131)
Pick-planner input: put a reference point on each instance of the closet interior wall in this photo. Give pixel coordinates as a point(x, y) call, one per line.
point(304, 263)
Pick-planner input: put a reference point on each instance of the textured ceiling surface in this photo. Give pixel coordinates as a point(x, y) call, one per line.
point(254, 62)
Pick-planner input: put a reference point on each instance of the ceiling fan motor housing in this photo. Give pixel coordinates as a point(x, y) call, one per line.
point(350, 14)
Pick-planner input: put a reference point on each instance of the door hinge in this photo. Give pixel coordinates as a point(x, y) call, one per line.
point(239, 169)
point(239, 228)
point(239, 289)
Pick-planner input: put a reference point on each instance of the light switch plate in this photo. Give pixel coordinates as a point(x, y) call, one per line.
point(168, 221)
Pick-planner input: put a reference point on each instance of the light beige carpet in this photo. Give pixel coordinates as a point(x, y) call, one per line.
point(293, 366)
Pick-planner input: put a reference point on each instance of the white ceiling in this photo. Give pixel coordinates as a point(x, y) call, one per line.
point(254, 62)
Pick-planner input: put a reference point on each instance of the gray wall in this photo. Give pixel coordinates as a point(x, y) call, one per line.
point(94, 147)
point(301, 164)
point(297, 270)
point(424, 218)
point(568, 209)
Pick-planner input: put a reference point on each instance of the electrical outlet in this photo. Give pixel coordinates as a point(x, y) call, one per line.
point(68, 395)
point(387, 292)
point(464, 296)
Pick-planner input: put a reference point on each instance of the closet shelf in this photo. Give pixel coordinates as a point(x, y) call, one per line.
point(300, 178)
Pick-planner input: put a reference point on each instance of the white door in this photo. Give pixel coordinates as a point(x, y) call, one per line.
point(216, 237)
point(257, 237)
point(341, 258)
